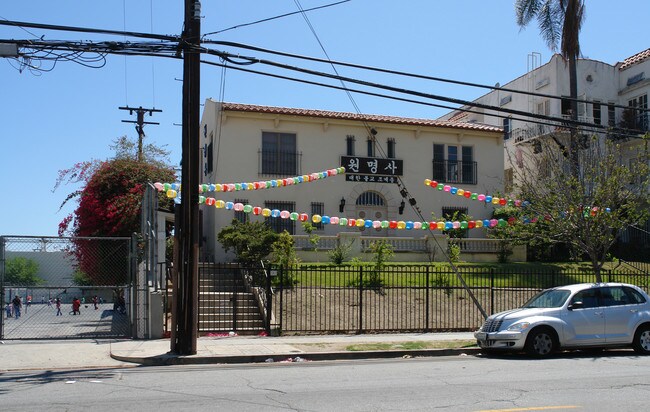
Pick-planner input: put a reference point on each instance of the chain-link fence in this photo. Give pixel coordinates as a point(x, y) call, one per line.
point(66, 287)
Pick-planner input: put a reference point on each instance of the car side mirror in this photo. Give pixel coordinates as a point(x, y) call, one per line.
point(576, 305)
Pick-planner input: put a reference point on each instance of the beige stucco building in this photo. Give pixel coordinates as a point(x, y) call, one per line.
point(392, 157)
point(611, 97)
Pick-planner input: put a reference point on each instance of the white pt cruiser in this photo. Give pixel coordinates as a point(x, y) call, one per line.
point(585, 315)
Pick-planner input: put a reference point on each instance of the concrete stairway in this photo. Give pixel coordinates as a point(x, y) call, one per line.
point(225, 304)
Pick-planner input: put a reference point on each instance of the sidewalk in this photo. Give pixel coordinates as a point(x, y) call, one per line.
point(22, 355)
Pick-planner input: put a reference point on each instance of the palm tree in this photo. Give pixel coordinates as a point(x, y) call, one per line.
point(559, 22)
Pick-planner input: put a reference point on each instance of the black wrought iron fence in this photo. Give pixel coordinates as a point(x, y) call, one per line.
point(55, 287)
point(349, 299)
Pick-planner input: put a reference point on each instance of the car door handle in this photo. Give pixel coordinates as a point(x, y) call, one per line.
point(598, 313)
point(634, 310)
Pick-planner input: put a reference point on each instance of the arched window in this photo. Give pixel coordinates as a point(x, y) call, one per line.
point(370, 199)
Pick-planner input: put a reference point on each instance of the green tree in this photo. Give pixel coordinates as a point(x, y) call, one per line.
point(21, 271)
point(382, 252)
point(284, 255)
point(559, 23)
point(251, 242)
point(284, 251)
point(313, 238)
point(588, 212)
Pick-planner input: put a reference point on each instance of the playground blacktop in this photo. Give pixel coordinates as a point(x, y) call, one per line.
point(227, 349)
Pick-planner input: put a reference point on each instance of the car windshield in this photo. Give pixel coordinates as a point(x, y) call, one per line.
point(550, 298)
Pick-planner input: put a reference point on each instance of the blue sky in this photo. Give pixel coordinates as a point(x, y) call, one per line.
point(52, 120)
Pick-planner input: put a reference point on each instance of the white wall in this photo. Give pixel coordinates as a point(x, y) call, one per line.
point(237, 140)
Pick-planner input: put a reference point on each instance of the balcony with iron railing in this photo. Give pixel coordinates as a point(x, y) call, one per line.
point(279, 163)
point(455, 171)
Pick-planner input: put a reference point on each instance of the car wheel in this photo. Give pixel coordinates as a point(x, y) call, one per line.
point(641, 342)
point(540, 343)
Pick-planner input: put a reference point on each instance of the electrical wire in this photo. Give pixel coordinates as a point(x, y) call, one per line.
point(525, 115)
point(399, 73)
point(276, 17)
point(169, 49)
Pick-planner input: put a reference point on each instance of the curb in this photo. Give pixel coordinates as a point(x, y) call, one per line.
point(172, 359)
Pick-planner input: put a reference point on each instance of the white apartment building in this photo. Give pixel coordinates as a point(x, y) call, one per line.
point(387, 160)
point(602, 87)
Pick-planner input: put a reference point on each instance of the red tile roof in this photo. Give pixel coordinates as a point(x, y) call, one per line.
point(359, 117)
point(637, 58)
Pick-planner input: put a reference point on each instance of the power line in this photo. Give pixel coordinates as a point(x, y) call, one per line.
point(276, 17)
point(397, 72)
point(23, 24)
point(402, 99)
point(254, 48)
point(169, 49)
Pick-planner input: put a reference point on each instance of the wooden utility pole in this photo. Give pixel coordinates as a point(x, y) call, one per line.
point(184, 331)
point(139, 124)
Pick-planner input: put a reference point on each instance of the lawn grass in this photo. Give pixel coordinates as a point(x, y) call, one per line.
point(401, 274)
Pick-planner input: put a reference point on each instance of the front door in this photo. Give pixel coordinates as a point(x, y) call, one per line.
point(585, 325)
point(372, 206)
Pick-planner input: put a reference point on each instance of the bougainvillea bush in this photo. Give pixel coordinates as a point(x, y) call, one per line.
point(109, 206)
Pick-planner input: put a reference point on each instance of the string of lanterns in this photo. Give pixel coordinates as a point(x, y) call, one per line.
point(351, 222)
point(172, 190)
point(468, 194)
